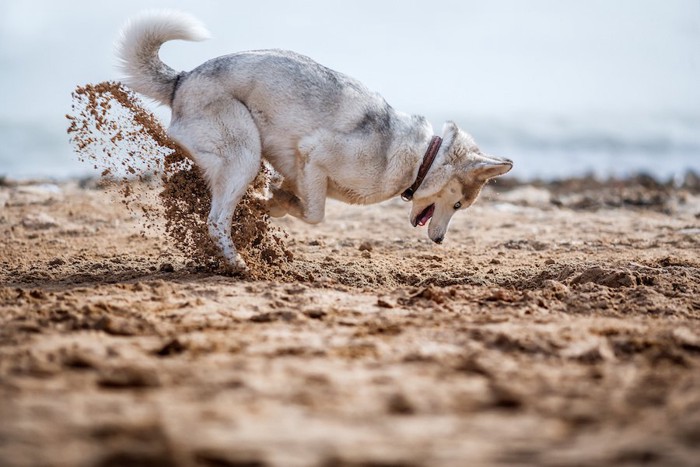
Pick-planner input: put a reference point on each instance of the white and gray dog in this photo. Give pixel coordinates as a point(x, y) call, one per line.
point(325, 133)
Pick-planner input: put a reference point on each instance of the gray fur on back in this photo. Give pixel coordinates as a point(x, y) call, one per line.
point(279, 87)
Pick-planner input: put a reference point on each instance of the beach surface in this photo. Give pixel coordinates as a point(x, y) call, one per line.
point(559, 324)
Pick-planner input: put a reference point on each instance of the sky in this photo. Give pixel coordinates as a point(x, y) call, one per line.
point(497, 60)
point(473, 57)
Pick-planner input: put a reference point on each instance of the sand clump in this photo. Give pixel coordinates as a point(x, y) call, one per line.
point(111, 129)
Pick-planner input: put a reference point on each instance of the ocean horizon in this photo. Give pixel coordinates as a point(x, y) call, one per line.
point(544, 148)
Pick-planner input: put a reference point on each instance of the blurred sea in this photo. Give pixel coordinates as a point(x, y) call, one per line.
point(663, 147)
point(554, 148)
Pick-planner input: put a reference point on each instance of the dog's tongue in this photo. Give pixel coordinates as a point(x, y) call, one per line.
point(426, 215)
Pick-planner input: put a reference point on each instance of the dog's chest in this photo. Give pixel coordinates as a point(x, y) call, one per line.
point(345, 194)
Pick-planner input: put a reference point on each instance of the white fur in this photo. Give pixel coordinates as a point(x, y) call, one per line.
point(139, 42)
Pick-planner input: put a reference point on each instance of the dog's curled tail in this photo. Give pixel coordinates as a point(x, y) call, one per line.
point(138, 45)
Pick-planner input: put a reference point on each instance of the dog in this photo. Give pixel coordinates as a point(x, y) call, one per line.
point(325, 133)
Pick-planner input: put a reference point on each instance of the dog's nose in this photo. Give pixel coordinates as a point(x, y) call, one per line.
point(504, 161)
point(439, 240)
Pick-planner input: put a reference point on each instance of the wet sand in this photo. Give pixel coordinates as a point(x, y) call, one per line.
point(559, 324)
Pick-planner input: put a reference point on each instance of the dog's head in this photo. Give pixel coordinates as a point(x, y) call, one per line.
point(454, 181)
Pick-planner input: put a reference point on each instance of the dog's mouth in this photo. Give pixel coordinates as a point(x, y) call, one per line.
point(425, 215)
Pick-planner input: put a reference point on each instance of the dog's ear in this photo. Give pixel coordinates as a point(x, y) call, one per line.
point(449, 133)
point(453, 141)
point(488, 167)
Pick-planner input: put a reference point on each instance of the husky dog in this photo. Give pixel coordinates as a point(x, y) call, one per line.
point(325, 133)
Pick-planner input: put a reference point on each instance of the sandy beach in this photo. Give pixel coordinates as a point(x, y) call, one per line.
point(559, 324)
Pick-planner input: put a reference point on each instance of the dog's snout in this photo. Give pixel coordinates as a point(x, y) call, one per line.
point(439, 240)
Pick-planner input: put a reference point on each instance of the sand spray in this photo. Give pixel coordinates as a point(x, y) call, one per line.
point(111, 129)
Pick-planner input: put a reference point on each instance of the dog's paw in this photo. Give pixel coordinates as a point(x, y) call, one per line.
point(276, 207)
point(282, 203)
point(238, 264)
point(235, 267)
point(276, 210)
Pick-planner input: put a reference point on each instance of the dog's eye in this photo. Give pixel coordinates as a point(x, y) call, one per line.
point(458, 205)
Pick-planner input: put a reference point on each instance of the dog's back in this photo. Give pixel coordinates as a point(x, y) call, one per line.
point(282, 89)
point(286, 90)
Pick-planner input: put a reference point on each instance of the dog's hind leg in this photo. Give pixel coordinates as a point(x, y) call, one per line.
point(225, 144)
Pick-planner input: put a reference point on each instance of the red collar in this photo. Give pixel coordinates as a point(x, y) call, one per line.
point(428, 159)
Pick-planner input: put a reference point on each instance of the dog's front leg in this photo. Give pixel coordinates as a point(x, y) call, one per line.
point(312, 188)
point(283, 201)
